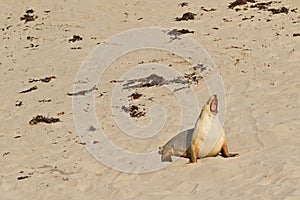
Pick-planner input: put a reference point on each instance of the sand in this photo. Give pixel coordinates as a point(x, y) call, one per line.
point(255, 51)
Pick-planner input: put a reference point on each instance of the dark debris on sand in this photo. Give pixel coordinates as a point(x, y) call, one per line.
point(193, 77)
point(44, 100)
point(29, 16)
point(82, 93)
point(41, 118)
point(186, 16)
point(183, 4)
point(177, 32)
point(22, 177)
point(261, 6)
point(135, 95)
point(208, 10)
point(237, 3)
point(19, 103)
point(45, 80)
point(75, 38)
point(134, 111)
point(29, 90)
point(152, 80)
point(279, 10)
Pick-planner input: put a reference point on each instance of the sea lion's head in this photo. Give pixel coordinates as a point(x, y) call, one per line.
point(212, 105)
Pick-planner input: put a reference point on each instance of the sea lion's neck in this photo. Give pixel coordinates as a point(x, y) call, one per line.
point(204, 119)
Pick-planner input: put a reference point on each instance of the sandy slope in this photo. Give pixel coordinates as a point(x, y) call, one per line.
point(258, 59)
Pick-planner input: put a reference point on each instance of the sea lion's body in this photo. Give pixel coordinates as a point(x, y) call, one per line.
point(206, 139)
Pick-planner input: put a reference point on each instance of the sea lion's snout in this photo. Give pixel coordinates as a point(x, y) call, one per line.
point(214, 104)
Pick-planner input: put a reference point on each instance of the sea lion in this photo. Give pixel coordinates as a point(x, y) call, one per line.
point(206, 139)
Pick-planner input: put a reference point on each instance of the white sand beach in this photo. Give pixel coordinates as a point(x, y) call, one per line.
point(256, 52)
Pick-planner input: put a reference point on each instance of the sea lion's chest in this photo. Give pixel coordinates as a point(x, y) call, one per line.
point(208, 136)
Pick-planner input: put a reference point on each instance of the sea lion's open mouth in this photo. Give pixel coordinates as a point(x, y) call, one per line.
point(214, 105)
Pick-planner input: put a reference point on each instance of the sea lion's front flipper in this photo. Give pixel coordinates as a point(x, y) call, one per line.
point(225, 153)
point(194, 154)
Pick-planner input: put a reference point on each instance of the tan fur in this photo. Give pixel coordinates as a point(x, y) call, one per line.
point(207, 122)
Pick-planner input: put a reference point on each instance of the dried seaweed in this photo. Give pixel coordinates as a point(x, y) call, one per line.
point(29, 90)
point(92, 129)
point(279, 10)
point(44, 100)
point(237, 3)
point(6, 153)
point(28, 16)
point(193, 77)
point(183, 4)
point(75, 38)
point(135, 95)
point(45, 80)
point(247, 18)
point(41, 118)
point(152, 80)
point(264, 6)
point(19, 103)
point(186, 16)
point(180, 31)
point(134, 111)
point(82, 93)
point(208, 10)
point(261, 6)
point(155, 80)
point(23, 177)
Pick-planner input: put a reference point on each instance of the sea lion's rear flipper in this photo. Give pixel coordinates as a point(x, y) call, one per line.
point(166, 156)
point(225, 153)
point(160, 150)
